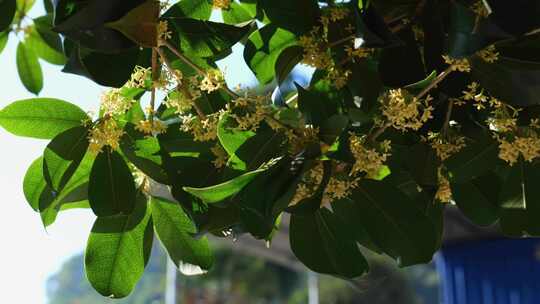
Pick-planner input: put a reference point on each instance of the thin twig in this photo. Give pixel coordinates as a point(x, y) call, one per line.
point(446, 125)
point(155, 77)
point(194, 66)
point(435, 82)
point(180, 86)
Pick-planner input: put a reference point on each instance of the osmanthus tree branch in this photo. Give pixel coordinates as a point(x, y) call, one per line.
point(155, 77)
point(201, 72)
point(181, 86)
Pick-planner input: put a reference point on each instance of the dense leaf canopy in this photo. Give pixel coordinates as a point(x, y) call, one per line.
point(413, 105)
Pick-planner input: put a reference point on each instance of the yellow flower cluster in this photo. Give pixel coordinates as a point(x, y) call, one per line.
point(249, 111)
point(338, 187)
point(404, 111)
point(212, 81)
point(221, 156)
point(489, 54)
point(445, 146)
point(163, 32)
point(139, 77)
point(358, 52)
point(444, 192)
point(151, 127)
point(114, 103)
point(201, 129)
point(315, 51)
point(480, 9)
point(528, 147)
point(298, 142)
point(368, 160)
point(105, 133)
point(334, 14)
point(178, 101)
point(221, 4)
point(461, 65)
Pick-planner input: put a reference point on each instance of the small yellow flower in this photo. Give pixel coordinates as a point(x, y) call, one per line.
point(114, 103)
point(201, 129)
point(489, 54)
point(404, 111)
point(368, 160)
point(461, 65)
point(212, 81)
point(105, 133)
point(221, 156)
point(444, 192)
point(151, 127)
point(249, 111)
point(221, 4)
point(163, 31)
point(445, 146)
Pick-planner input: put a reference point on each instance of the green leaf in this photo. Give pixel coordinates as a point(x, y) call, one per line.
point(195, 9)
point(265, 145)
point(325, 245)
point(333, 127)
point(239, 13)
point(7, 12)
point(63, 155)
point(232, 140)
point(118, 250)
point(43, 118)
point(394, 222)
point(24, 6)
point(218, 193)
point(520, 200)
point(478, 200)
point(286, 62)
point(111, 190)
point(296, 16)
point(263, 49)
point(34, 185)
point(422, 84)
point(315, 106)
point(140, 24)
point(4, 36)
point(44, 42)
point(75, 191)
point(29, 69)
point(205, 38)
point(475, 160)
point(143, 152)
point(176, 232)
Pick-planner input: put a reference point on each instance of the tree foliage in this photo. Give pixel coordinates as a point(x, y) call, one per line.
point(413, 105)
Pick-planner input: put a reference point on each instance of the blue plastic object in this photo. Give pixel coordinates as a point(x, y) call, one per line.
point(490, 272)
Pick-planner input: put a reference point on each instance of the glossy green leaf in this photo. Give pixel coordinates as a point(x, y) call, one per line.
point(520, 200)
point(205, 38)
point(325, 245)
point(29, 68)
point(25, 5)
point(286, 62)
point(118, 250)
point(176, 232)
point(478, 199)
point(263, 49)
point(63, 155)
point(231, 140)
point(34, 184)
point(41, 117)
point(7, 12)
point(475, 160)
point(4, 37)
point(394, 222)
point(140, 24)
point(111, 190)
point(296, 16)
point(238, 13)
point(44, 42)
point(218, 193)
point(75, 191)
point(195, 9)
